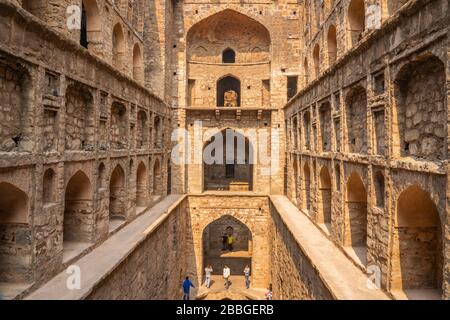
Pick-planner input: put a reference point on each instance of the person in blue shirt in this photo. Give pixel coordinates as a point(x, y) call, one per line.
point(187, 284)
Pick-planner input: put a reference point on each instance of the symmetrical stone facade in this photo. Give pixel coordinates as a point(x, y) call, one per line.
point(341, 105)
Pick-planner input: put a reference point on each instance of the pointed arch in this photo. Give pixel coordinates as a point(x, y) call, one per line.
point(223, 29)
point(225, 85)
point(332, 45)
point(295, 179)
point(325, 196)
point(228, 56)
point(91, 24)
point(15, 259)
point(13, 204)
point(78, 209)
point(138, 64)
point(316, 59)
point(118, 46)
point(213, 245)
point(356, 215)
point(417, 256)
point(356, 15)
point(117, 194)
point(306, 201)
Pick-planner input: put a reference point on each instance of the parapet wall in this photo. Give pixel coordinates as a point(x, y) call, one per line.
point(154, 253)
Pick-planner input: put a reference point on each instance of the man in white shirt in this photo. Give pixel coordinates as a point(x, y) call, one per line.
point(208, 271)
point(247, 276)
point(226, 276)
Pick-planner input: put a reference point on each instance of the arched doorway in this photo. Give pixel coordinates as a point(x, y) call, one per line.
point(138, 64)
point(324, 216)
point(13, 218)
point(91, 24)
point(316, 59)
point(295, 179)
point(228, 162)
point(213, 248)
point(306, 194)
point(117, 197)
point(118, 47)
point(229, 92)
point(356, 21)
point(78, 211)
point(332, 45)
point(228, 56)
point(356, 217)
point(417, 254)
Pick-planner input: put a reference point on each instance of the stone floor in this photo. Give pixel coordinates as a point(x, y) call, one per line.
point(236, 290)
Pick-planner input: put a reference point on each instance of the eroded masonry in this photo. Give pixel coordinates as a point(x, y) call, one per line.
point(134, 134)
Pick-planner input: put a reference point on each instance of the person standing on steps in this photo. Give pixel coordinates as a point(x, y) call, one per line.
point(226, 276)
point(187, 284)
point(247, 277)
point(230, 242)
point(208, 271)
point(224, 242)
point(269, 294)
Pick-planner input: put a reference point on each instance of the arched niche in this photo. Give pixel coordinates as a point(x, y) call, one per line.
point(229, 92)
point(214, 252)
point(417, 253)
point(228, 162)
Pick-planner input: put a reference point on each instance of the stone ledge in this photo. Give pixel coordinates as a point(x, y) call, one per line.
point(343, 279)
point(103, 260)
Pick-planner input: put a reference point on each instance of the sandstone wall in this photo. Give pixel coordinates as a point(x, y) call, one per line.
point(146, 274)
point(381, 124)
point(292, 275)
point(102, 17)
point(263, 65)
point(63, 127)
point(251, 124)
